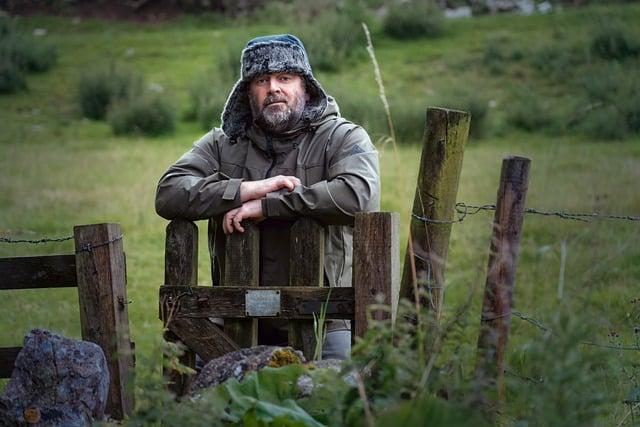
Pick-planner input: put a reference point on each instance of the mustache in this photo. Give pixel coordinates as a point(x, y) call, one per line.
point(272, 99)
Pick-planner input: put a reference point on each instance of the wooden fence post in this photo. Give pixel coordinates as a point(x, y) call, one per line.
point(445, 136)
point(242, 268)
point(180, 269)
point(104, 317)
point(376, 265)
point(498, 295)
point(306, 269)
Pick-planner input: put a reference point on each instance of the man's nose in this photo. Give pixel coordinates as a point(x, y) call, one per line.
point(274, 85)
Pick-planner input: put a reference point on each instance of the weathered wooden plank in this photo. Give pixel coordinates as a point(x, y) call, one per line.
point(375, 266)
point(52, 271)
point(498, 294)
point(242, 269)
point(229, 301)
point(8, 357)
point(104, 314)
point(202, 336)
point(180, 268)
point(181, 253)
point(440, 165)
point(306, 269)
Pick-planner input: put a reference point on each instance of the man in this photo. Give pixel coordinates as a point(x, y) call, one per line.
point(282, 152)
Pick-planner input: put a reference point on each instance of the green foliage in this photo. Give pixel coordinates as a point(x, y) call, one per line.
point(429, 411)
point(612, 42)
point(11, 77)
point(332, 40)
point(207, 96)
point(148, 115)
point(558, 60)
point(100, 88)
point(531, 112)
point(414, 19)
point(563, 386)
point(500, 50)
point(613, 108)
point(21, 53)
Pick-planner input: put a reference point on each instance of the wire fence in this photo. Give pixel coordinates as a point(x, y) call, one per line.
point(464, 209)
point(85, 248)
point(540, 325)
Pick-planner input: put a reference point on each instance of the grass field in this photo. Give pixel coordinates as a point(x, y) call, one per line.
point(59, 170)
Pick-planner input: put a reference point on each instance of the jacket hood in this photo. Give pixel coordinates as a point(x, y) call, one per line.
point(271, 54)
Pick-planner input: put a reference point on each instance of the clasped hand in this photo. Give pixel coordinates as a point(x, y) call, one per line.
point(251, 194)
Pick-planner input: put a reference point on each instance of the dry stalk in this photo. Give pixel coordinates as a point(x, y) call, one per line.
point(383, 96)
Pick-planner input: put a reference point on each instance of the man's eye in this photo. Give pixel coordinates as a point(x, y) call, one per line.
point(285, 78)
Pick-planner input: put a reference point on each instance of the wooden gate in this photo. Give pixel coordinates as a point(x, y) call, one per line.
point(186, 309)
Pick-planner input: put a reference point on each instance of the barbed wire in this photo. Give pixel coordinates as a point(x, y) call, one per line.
point(35, 242)
point(538, 324)
point(464, 209)
point(88, 247)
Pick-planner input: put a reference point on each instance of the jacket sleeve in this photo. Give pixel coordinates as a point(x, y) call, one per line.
point(352, 185)
point(194, 188)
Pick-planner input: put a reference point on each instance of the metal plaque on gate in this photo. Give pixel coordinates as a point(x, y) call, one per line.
point(262, 303)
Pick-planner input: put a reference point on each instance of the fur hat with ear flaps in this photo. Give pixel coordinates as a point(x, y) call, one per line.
point(270, 54)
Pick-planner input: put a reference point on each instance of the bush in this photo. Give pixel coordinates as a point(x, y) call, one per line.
point(557, 60)
point(612, 108)
point(528, 112)
point(333, 39)
point(24, 52)
point(414, 19)
point(613, 43)
point(11, 77)
point(21, 53)
point(100, 88)
point(498, 50)
point(207, 96)
point(147, 115)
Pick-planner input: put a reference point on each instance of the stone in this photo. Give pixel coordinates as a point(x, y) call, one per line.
point(56, 381)
point(238, 363)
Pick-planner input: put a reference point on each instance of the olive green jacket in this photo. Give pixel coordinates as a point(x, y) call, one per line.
point(333, 158)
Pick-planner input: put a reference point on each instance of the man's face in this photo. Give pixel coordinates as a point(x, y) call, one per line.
point(277, 100)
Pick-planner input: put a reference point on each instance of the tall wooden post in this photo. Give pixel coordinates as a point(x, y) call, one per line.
point(442, 151)
point(498, 295)
point(180, 269)
point(242, 268)
point(306, 269)
point(104, 317)
point(376, 266)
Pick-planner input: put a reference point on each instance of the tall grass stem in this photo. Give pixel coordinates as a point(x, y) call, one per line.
point(383, 96)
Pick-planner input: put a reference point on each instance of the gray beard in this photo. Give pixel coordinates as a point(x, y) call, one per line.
point(280, 120)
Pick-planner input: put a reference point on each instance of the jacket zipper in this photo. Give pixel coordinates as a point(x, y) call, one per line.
point(272, 154)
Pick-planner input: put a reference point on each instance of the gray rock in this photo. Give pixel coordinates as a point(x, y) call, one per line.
point(56, 381)
point(238, 363)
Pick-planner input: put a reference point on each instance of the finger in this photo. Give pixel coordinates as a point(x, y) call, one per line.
point(237, 223)
point(226, 224)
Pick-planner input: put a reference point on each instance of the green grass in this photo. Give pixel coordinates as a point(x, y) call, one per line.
point(59, 170)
